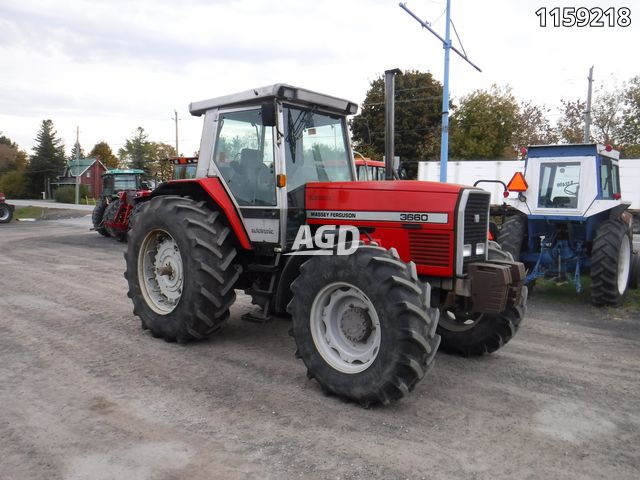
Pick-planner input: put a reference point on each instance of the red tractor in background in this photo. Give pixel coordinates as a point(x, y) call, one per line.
point(270, 211)
point(122, 191)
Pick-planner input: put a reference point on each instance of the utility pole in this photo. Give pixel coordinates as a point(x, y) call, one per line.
point(77, 165)
point(175, 114)
point(446, 44)
point(587, 113)
point(389, 127)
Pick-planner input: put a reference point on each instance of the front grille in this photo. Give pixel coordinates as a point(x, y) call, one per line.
point(475, 232)
point(432, 249)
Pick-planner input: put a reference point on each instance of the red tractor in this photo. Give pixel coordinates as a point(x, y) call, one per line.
point(122, 191)
point(364, 268)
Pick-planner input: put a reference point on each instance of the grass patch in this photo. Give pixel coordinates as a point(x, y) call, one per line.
point(566, 293)
point(30, 212)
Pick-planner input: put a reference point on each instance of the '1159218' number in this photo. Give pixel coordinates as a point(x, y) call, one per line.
point(584, 17)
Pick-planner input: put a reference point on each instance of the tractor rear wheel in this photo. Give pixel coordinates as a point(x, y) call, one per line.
point(6, 213)
point(362, 325)
point(97, 217)
point(512, 234)
point(181, 268)
point(611, 256)
point(473, 334)
point(635, 271)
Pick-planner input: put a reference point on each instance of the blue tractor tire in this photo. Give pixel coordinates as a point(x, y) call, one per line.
point(611, 258)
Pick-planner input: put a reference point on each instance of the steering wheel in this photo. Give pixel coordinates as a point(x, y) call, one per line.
point(568, 190)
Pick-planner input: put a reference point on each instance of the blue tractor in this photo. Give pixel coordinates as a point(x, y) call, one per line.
point(571, 220)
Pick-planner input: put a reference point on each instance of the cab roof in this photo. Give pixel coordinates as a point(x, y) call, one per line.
point(280, 91)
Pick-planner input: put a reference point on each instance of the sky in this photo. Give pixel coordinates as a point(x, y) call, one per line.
point(111, 66)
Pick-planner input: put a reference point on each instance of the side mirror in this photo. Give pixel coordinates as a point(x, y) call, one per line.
point(268, 112)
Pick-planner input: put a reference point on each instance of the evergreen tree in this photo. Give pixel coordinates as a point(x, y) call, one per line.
point(137, 152)
point(74, 154)
point(47, 162)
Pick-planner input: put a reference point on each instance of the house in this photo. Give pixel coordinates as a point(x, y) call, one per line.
point(90, 171)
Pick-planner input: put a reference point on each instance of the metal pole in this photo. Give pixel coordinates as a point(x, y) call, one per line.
point(77, 165)
point(389, 121)
point(587, 113)
point(175, 113)
point(444, 144)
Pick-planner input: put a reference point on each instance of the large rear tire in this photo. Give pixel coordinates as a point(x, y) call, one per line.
point(96, 217)
point(611, 256)
point(512, 234)
point(362, 325)
point(181, 268)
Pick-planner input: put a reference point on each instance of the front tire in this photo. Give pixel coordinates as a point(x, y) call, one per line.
point(96, 217)
point(611, 263)
point(473, 334)
point(362, 325)
point(109, 216)
point(181, 268)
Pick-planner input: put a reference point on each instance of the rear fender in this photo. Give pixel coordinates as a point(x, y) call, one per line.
point(209, 189)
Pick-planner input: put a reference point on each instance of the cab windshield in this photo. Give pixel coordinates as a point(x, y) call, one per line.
point(559, 185)
point(316, 148)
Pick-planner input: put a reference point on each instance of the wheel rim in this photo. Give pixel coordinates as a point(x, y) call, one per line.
point(160, 271)
point(624, 263)
point(345, 328)
point(456, 320)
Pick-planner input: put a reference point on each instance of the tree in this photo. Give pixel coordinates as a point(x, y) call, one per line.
point(533, 126)
point(47, 162)
point(630, 131)
point(74, 153)
point(483, 125)
point(102, 151)
point(137, 152)
point(14, 184)
point(160, 152)
point(418, 110)
point(570, 126)
point(11, 157)
point(606, 117)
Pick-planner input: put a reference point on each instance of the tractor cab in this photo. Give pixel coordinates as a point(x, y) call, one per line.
point(577, 181)
point(118, 180)
point(183, 168)
point(368, 169)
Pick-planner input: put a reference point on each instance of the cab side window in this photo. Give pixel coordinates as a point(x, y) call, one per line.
point(244, 155)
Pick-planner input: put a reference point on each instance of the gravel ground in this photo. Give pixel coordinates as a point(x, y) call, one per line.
point(85, 393)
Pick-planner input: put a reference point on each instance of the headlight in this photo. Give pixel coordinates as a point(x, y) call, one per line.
point(466, 250)
point(479, 248)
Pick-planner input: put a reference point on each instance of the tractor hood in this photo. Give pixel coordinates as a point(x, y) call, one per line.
point(383, 196)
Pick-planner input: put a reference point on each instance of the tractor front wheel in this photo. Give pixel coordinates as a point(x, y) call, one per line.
point(611, 256)
point(362, 325)
point(97, 217)
point(109, 216)
point(181, 268)
point(473, 334)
